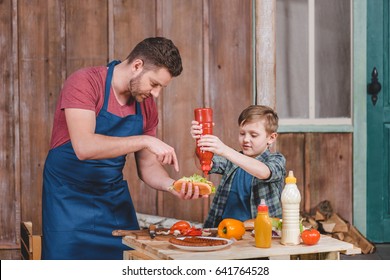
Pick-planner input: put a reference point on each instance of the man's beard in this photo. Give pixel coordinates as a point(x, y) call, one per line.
point(134, 88)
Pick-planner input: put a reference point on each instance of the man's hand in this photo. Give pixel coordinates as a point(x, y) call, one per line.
point(192, 193)
point(165, 154)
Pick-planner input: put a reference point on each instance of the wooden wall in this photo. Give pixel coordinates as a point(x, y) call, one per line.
point(322, 164)
point(43, 41)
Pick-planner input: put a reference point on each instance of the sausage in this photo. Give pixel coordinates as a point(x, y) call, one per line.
point(197, 241)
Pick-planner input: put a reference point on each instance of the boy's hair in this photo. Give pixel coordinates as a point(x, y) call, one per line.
point(157, 52)
point(260, 112)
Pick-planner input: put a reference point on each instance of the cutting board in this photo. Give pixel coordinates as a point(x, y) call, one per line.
point(142, 234)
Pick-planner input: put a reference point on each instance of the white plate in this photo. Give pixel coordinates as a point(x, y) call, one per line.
point(204, 248)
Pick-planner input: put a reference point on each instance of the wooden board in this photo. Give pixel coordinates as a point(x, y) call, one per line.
point(327, 247)
point(322, 163)
point(143, 234)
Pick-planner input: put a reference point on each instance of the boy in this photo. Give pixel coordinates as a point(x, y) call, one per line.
point(249, 175)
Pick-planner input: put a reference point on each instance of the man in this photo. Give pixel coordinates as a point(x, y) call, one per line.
point(103, 114)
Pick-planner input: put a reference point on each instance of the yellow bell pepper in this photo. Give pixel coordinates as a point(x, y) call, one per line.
point(231, 228)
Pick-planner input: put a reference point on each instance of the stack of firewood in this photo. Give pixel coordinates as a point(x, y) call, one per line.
point(329, 223)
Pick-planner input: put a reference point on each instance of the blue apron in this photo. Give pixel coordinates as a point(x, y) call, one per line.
point(84, 201)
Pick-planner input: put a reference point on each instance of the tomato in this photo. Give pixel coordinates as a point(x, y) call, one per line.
point(181, 226)
point(310, 236)
point(231, 228)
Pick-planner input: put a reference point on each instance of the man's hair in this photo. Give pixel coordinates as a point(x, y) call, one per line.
point(157, 52)
point(260, 112)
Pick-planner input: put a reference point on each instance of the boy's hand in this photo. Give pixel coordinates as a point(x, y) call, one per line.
point(212, 143)
point(196, 130)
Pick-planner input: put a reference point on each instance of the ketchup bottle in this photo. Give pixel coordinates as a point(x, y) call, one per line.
point(205, 117)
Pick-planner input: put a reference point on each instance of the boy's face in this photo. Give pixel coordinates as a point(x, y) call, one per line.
point(254, 139)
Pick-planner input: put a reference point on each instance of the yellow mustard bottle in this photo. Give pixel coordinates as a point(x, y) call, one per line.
point(263, 227)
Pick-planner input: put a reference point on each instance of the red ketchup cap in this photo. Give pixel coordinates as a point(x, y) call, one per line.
point(262, 206)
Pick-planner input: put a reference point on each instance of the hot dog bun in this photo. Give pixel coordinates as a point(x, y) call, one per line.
point(205, 187)
point(249, 224)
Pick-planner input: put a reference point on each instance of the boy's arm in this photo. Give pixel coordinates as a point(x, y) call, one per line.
point(251, 165)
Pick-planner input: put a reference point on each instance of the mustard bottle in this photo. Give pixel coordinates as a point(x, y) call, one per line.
point(263, 227)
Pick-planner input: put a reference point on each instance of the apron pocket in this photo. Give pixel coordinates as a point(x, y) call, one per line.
point(123, 208)
point(69, 208)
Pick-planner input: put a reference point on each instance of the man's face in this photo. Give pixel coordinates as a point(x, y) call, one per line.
point(149, 83)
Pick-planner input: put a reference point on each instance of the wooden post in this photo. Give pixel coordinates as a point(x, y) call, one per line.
point(265, 52)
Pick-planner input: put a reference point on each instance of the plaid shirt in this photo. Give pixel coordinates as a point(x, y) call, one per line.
point(270, 189)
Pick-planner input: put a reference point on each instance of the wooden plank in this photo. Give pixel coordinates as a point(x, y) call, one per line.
point(323, 163)
point(86, 34)
point(56, 62)
point(178, 100)
point(331, 162)
point(292, 146)
point(354, 251)
point(160, 128)
point(12, 254)
point(307, 160)
point(16, 120)
point(317, 256)
point(206, 53)
point(9, 126)
point(230, 41)
point(206, 83)
point(33, 79)
point(135, 255)
point(359, 240)
point(266, 52)
point(143, 234)
point(137, 15)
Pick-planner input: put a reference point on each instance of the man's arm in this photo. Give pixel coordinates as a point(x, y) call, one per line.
point(150, 152)
point(89, 145)
point(153, 174)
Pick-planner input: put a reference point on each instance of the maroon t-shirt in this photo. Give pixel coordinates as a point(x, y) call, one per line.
point(84, 89)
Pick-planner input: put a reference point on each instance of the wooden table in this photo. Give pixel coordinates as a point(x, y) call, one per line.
point(326, 248)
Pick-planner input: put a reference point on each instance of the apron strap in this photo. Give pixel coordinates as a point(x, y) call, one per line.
point(110, 66)
point(138, 108)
